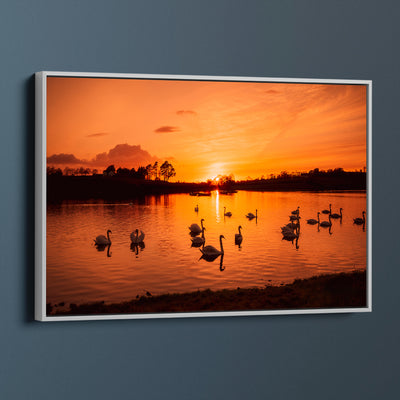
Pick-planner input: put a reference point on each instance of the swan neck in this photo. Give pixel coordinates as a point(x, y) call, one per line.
point(220, 242)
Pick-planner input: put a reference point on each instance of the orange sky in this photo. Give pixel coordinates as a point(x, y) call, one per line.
point(205, 128)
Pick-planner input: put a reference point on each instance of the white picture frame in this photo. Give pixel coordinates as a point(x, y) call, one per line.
point(41, 187)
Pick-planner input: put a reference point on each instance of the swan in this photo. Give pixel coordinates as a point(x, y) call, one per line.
point(337, 216)
point(196, 209)
point(360, 221)
point(199, 240)
point(328, 211)
point(135, 237)
point(195, 229)
point(289, 235)
point(296, 212)
point(211, 251)
point(291, 226)
point(294, 217)
point(101, 240)
point(313, 221)
point(238, 236)
point(326, 224)
point(227, 214)
point(251, 215)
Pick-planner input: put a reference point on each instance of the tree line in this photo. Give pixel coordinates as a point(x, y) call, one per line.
point(157, 172)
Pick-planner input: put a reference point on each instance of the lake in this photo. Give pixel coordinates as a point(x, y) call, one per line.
point(77, 272)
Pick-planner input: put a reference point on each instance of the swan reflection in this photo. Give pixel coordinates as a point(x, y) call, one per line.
point(136, 246)
point(102, 247)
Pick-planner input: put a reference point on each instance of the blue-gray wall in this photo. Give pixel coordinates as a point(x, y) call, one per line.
point(354, 356)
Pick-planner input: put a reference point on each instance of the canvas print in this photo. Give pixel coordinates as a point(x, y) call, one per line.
point(204, 196)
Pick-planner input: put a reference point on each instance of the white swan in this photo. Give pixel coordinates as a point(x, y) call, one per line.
point(196, 229)
point(196, 209)
point(328, 211)
point(227, 214)
point(251, 215)
point(337, 216)
point(212, 251)
point(238, 236)
point(136, 238)
point(326, 224)
point(313, 221)
point(101, 240)
point(360, 221)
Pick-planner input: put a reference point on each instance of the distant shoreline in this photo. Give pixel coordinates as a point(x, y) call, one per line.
point(341, 290)
point(61, 188)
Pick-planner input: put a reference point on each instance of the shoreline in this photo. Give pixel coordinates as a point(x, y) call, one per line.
point(340, 290)
point(61, 188)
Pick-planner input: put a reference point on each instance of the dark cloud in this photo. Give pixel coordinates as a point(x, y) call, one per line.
point(121, 155)
point(97, 134)
point(186, 112)
point(63, 159)
point(167, 129)
point(272, 91)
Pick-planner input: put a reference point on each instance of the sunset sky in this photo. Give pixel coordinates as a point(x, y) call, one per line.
point(205, 128)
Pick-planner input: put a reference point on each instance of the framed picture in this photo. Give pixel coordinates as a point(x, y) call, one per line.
point(187, 196)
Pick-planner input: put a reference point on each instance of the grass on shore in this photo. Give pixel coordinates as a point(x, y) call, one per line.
point(343, 290)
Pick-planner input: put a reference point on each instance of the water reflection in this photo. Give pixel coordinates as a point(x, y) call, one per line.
point(136, 246)
point(102, 247)
point(76, 273)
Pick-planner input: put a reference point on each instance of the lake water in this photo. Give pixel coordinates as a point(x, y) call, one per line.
point(78, 272)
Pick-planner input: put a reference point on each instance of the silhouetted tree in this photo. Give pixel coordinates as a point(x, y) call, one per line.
point(141, 173)
point(110, 170)
point(167, 170)
point(149, 170)
point(54, 171)
point(155, 170)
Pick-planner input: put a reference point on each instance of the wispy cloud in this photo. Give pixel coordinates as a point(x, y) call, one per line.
point(97, 134)
point(186, 112)
point(167, 129)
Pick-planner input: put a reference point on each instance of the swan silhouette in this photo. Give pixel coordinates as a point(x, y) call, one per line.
point(101, 240)
point(297, 211)
point(227, 214)
point(199, 240)
point(195, 228)
point(294, 217)
point(251, 215)
point(289, 235)
point(328, 211)
point(337, 216)
point(313, 221)
point(326, 224)
point(211, 251)
point(136, 238)
point(238, 237)
point(360, 221)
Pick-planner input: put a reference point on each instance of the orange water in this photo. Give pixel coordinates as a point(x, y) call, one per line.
point(77, 272)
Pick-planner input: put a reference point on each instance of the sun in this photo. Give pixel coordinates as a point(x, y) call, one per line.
point(217, 179)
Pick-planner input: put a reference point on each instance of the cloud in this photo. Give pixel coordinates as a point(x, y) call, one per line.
point(63, 158)
point(186, 112)
point(123, 155)
point(97, 134)
point(167, 129)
